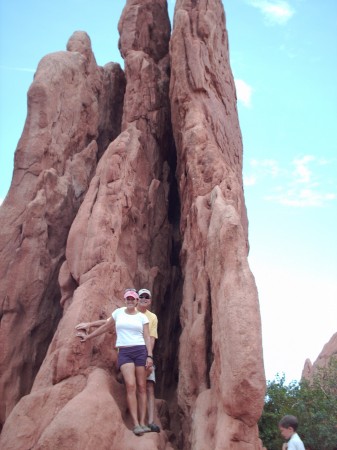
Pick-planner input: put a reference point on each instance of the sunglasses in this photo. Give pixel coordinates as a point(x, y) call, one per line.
point(146, 296)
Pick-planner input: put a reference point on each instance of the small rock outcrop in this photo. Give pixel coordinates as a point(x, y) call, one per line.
point(329, 351)
point(131, 178)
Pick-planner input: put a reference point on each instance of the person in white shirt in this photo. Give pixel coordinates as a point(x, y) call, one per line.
point(134, 353)
point(288, 426)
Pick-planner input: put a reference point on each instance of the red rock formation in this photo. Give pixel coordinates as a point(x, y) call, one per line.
point(54, 162)
point(131, 231)
point(329, 350)
point(221, 384)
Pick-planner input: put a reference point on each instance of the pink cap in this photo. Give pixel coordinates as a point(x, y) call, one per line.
point(131, 294)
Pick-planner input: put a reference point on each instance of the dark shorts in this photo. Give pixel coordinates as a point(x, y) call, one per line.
point(136, 354)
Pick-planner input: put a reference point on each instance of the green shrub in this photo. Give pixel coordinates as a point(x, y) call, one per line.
point(314, 404)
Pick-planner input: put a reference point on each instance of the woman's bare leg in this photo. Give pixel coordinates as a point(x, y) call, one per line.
point(129, 374)
point(141, 390)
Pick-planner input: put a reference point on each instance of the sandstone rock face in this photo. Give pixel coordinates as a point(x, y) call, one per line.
point(220, 357)
point(329, 350)
point(163, 209)
point(54, 162)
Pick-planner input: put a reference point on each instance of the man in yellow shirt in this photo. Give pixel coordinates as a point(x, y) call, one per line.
point(143, 306)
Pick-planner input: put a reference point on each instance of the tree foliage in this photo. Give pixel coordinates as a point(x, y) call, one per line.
point(313, 403)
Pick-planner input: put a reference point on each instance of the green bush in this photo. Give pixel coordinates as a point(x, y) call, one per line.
point(314, 404)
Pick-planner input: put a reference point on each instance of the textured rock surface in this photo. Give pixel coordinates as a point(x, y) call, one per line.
point(329, 350)
point(164, 213)
point(220, 358)
point(54, 162)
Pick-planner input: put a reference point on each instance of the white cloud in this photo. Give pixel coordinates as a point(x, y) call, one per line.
point(249, 181)
point(302, 173)
point(325, 161)
point(244, 92)
point(274, 11)
point(298, 185)
point(302, 198)
point(18, 69)
point(265, 167)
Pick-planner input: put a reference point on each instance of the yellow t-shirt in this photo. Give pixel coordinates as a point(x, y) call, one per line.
point(153, 323)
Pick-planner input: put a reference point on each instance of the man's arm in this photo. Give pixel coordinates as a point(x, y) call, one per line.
point(153, 329)
point(153, 326)
point(147, 339)
point(152, 342)
point(153, 336)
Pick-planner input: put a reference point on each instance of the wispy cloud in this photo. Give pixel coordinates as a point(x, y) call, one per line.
point(274, 11)
point(244, 92)
point(260, 170)
point(249, 180)
point(266, 166)
point(18, 69)
point(302, 198)
point(302, 173)
point(303, 182)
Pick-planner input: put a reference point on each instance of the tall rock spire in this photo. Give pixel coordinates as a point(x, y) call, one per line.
point(220, 355)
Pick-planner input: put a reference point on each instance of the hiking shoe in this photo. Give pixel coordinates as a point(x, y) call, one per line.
point(145, 428)
point(138, 430)
point(153, 427)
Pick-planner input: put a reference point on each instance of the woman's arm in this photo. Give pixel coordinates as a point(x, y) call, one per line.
point(87, 325)
point(102, 329)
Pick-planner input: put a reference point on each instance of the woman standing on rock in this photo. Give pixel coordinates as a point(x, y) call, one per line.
point(134, 353)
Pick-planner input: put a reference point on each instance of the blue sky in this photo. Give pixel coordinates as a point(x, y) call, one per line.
point(284, 59)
